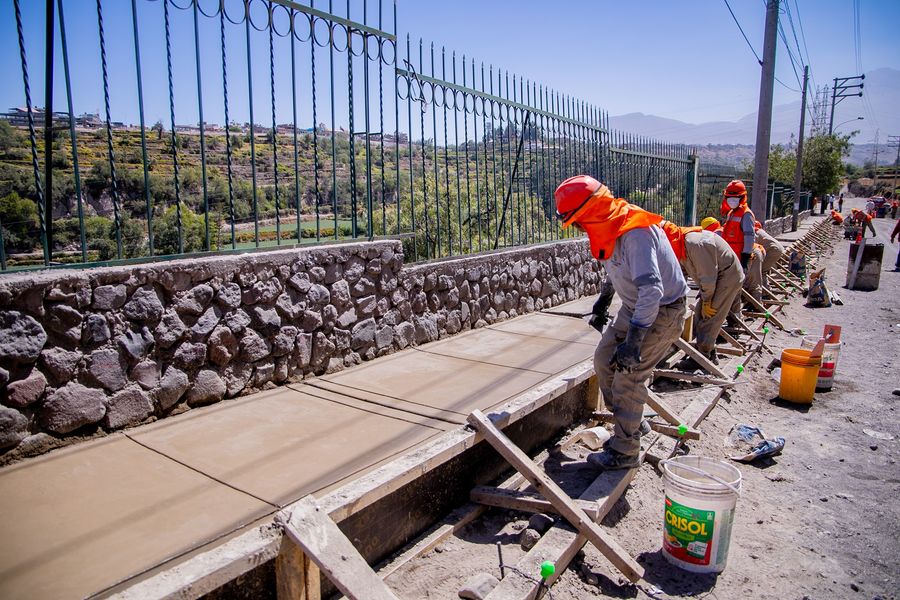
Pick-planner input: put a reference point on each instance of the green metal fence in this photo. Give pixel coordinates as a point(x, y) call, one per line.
point(330, 128)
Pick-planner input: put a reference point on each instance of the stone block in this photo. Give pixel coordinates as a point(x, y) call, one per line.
point(127, 407)
point(13, 427)
point(171, 329)
point(72, 406)
point(26, 391)
point(21, 338)
point(109, 297)
point(222, 347)
point(106, 368)
point(144, 306)
point(172, 386)
point(190, 355)
point(146, 374)
point(207, 388)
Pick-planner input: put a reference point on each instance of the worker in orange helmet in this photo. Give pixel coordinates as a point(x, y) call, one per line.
point(641, 267)
point(738, 229)
point(863, 220)
point(836, 218)
point(709, 261)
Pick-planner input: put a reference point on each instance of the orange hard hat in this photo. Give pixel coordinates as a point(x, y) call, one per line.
point(572, 197)
point(736, 188)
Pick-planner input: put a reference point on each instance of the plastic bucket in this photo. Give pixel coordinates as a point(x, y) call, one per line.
point(799, 374)
point(701, 495)
point(829, 361)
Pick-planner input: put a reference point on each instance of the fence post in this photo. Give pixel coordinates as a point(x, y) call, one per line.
point(691, 191)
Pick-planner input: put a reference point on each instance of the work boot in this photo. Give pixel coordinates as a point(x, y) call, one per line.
point(609, 460)
point(713, 357)
point(644, 427)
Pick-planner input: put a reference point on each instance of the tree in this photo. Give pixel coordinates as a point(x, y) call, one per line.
point(159, 129)
point(19, 219)
point(782, 163)
point(9, 137)
point(165, 231)
point(822, 163)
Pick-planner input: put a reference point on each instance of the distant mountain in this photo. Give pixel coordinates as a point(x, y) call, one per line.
point(882, 90)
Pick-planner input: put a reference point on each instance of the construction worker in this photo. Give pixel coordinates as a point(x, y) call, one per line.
point(641, 267)
point(738, 229)
point(894, 234)
point(772, 247)
point(709, 261)
point(836, 218)
point(863, 220)
point(841, 203)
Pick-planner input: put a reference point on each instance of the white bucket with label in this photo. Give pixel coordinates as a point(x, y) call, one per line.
point(701, 495)
point(830, 356)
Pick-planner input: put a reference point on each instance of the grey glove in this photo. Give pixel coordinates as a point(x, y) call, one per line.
point(628, 353)
point(600, 311)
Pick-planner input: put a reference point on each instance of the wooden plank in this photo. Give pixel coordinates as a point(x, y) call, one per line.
point(754, 302)
point(746, 329)
point(700, 359)
point(731, 340)
point(552, 492)
point(682, 376)
point(662, 408)
point(690, 434)
point(296, 577)
point(309, 526)
point(729, 351)
point(561, 543)
point(522, 501)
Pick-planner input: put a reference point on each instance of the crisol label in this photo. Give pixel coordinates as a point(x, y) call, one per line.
point(688, 532)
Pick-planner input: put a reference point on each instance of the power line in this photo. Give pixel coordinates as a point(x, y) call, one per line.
point(746, 39)
point(803, 37)
point(790, 54)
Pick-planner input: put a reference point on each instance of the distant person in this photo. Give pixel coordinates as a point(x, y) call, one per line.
point(870, 207)
point(841, 203)
point(894, 234)
point(836, 218)
point(642, 269)
point(830, 201)
point(892, 198)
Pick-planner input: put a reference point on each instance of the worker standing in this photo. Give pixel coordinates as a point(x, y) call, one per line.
point(642, 268)
point(738, 229)
point(709, 261)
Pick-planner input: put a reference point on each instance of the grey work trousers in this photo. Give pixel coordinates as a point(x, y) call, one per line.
point(625, 393)
point(707, 330)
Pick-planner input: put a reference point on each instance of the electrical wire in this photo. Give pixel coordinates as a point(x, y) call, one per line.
point(746, 39)
point(805, 48)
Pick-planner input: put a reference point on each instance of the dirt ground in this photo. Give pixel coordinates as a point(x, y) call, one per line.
point(821, 520)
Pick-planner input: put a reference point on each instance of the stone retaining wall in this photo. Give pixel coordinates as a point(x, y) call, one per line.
point(783, 224)
point(92, 351)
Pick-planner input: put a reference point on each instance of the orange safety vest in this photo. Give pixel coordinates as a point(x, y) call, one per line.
point(675, 235)
point(605, 218)
point(836, 217)
point(732, 231)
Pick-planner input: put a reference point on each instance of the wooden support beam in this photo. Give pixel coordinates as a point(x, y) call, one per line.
point(746, 329)
point(682, 376)
point(690, 434)
point(729, 351)
point(560, 544)
point(523, 501)
point(552, 492)
point(755, 303)
point(296, 577)
point(731, 340)
point(309, 526)
point(700, 359)
point(662, 408)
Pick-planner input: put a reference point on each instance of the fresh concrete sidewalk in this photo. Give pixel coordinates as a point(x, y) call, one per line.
point(78, 521)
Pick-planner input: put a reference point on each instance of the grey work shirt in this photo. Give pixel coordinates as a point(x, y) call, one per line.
point(645, 273)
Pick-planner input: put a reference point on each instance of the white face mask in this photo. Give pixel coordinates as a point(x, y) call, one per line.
point(733, 202)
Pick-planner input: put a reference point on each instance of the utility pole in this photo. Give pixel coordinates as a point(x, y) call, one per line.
point(764, 115)
point(875, 170)
point(798, 170)
point(843, 88)
point(894, 140)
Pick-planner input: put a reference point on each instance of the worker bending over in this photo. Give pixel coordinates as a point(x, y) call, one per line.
point(753, 269)
point(836, 218)
point(773, 248)
point(709, 261)
point(641, 267)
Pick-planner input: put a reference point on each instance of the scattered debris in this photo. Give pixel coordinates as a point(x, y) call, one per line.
point(478, 586)
point(878, 435)
point(751, 443)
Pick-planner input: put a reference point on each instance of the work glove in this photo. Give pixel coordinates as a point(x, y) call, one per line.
point(745, 259)
point(628, 354)
point(600, 311)
point(707, 310)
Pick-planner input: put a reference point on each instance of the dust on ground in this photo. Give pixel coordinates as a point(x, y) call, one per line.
point(820, 520)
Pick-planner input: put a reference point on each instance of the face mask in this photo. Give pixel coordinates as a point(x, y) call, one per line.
point(733, 202)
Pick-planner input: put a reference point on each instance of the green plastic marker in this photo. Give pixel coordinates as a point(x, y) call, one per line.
point(547, 569)
point(682, 429)
point(740, 368)
point(768, 314)
point(765, 330)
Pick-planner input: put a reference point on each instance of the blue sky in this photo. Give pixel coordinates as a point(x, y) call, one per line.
point(678, 59)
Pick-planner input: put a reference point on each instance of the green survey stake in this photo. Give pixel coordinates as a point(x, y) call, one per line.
point(682, 429)
point(740, 368)
point(547, 569)
point(765, 330)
